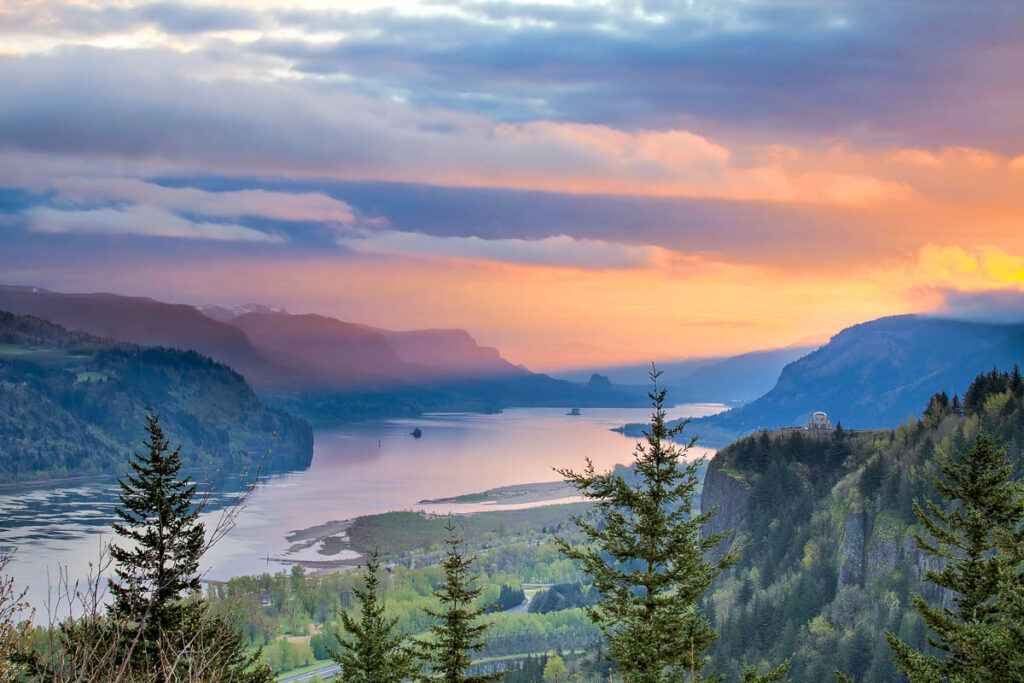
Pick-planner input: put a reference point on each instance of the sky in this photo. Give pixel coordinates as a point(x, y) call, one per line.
point(579, 183)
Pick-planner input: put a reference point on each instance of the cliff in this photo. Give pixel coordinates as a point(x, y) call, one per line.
point(826, 528)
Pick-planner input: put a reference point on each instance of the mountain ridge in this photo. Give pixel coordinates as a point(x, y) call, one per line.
point(872, 374)
point(73, 404)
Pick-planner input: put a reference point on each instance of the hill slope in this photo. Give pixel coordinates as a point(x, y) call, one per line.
point(825, 525)
point(73, 404)
point(147, 322)
point(873, 375)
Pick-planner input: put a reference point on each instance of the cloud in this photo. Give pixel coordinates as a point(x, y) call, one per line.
point(994, 306)
point(560, 250)
point(61, 105)
point(139, 220)
point(103, 19)
point(918, 73)
point(307, 206)
point(933, 74)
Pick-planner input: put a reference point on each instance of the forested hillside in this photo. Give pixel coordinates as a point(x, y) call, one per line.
point(825, 522)
point(72, 404)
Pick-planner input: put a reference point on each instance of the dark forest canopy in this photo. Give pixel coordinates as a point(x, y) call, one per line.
point(71, 404)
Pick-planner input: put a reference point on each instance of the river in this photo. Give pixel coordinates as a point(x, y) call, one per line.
point(357, 469)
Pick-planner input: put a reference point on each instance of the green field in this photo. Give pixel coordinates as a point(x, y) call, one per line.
point(13, 350)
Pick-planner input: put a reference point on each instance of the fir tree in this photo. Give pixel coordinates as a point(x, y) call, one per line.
point(373, 651)
point(646, 557)
point(459, 632)
point(158, 567)
point(981, 538)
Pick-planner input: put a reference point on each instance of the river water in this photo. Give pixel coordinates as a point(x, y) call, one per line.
point(357, 469)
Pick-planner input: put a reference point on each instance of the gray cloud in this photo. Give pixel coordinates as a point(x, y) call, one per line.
point(993, 306)
point(63, 18)
point(139, 220)
point(933, 73)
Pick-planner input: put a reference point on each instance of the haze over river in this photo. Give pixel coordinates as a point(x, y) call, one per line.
point(357, 469)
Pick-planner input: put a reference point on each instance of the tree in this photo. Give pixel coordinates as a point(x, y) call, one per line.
point(646, 556)
point(754, 674)
point(458, 633)
point(373, 652)
point(158, 567)
point(555, 670)
point(980, 536)
point(158, 626)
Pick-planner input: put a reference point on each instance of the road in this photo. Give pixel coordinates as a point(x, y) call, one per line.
point(525, 606)
point(326, 673)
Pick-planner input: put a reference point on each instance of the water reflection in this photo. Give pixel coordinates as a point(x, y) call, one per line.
point(357, 469)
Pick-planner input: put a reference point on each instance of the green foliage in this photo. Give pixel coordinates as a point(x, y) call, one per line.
point(554, 669)
point(563, 596)
point(754, 674)
point(70, 403)
point(509, 597)
point(829, 562)
point(980, 535)
point(158, 566)
point(158, 627)
point(373, 651)
point(460, 630)
point(645, 554)
point(13, 635)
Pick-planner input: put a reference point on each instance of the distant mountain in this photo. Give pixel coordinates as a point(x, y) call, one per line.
point(148, 322)
point(735, 380)
point(73, 404)
point(450, 352)
point(226, 314)
point(635, 374)
point(874, 374)
point(730, 380)
point(351, 352)
point(321, 368)
point(274, 350)
point(326, 352)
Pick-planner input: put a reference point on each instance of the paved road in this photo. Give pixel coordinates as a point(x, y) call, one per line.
point(519, 609)
point(326, 673)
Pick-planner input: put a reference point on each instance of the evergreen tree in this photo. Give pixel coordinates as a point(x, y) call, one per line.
point(157, 592)
point(980, 535)
point(158, 567)
point(646, 557)
point(458, 633)
point(373, 652)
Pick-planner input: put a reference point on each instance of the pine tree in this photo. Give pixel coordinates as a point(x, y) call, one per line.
point(458, 633)
point(374, 651)
point(1016, 381)
point(158, 567)
point(980, 535)
point(646, 557)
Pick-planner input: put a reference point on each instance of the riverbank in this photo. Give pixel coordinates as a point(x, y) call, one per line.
point(412, 537)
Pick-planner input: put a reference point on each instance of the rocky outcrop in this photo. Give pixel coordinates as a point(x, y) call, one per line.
point(727, 490)
point(883, 548)
point(851, 549)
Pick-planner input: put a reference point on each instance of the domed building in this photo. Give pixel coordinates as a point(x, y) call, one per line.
point(819, 421)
